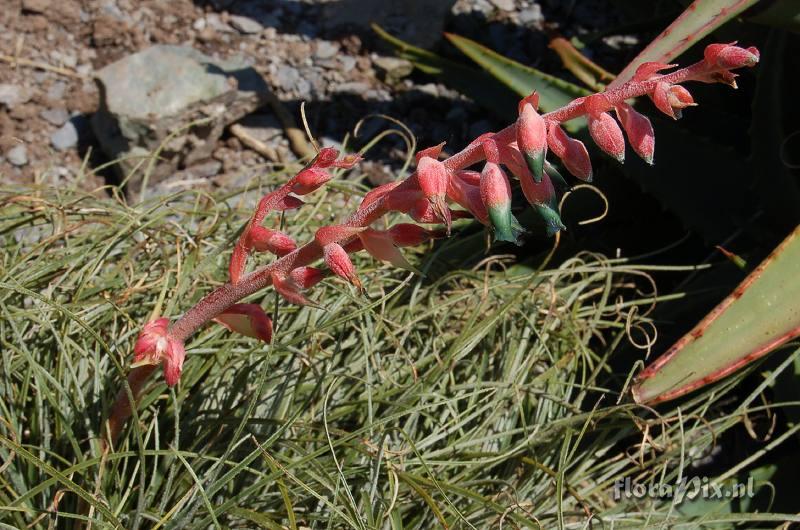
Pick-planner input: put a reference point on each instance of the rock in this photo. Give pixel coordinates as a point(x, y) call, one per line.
point(245, 25)
point(56, 91)
point(532, 15)
point(353, 87)
point(12, 95)
point(262, 127)
point(65, 137)
point(55, 116)
point(17, 155)
point(393, 68)
point(504, 5)
point(347, 62)
point(35, 6)
point(147, 96)
point(419, 22)
point(287, 77)
point(326, 49)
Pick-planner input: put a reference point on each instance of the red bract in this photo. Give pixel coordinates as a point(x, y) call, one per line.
point(306, 277)
point(155, 346)
point(410, 235)
point(381, 245)
point(247, 319)
point(728, 56)
point(671, 99)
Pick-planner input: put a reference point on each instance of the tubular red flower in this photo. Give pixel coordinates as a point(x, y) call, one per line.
point(339, 263)
point(247, 319)
point(729, 56)
point(464, 190)
point(155, 346)
point(289, 290)
point(532, 136)
point(572, 152)
point(432, 176)
point(607, 135)
point(495, 193)
point(639, 131)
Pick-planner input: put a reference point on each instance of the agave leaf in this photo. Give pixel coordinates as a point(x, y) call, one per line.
point(762, 313)
point(475, 84)
point(553, 92)
point(698, 20)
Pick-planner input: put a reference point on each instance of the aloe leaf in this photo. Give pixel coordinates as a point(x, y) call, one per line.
point(590, 73)
point(762, 313)
point(475, 84)
point(698, 20)
point(553, 92)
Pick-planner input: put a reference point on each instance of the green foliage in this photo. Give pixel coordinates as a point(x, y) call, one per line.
point(466, 399)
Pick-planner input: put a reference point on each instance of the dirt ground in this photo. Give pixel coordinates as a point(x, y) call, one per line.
point(321, 52)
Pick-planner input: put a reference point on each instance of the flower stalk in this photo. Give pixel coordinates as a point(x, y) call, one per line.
point(521, 148)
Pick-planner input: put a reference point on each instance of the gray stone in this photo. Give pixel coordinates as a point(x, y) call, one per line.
point(55, 116)
point(150, 97)
point(245, 25)
point(12, 95)
point(65, 137)
point(263, 127)
point(326, 49)
point(17, 155)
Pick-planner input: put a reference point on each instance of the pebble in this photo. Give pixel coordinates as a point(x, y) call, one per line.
point(12, 95)
point(17, 155)
point(326, 49)
point(245, 25)
point(65, 137)
point(55, 116)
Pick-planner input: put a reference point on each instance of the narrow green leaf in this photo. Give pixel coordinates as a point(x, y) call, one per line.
point(761, 314)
